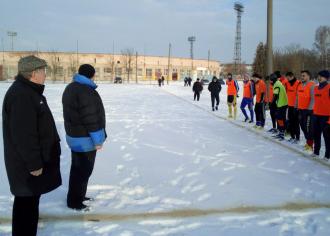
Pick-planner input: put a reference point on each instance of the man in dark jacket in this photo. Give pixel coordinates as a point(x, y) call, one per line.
point(215, 88)
point(84, 121)
point(197, 89)
point(31, 144)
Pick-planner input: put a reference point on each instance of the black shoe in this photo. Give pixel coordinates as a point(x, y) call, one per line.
point(216, 107)
point(246, 119)
point(88, 199)
point(212, 108)
point(251, 121)
point(79, 206)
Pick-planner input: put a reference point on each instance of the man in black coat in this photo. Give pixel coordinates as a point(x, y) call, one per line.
point(84, 121)
point(31, 144)
point(197, 89)
point(215, 88)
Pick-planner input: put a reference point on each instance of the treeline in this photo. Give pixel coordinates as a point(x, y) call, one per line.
point(295, 58)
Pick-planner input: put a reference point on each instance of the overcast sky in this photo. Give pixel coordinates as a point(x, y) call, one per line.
point(149, 25)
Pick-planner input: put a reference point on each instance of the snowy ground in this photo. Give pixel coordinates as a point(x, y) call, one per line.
point(168, 154)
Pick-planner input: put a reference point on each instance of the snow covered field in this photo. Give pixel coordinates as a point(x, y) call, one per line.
point(172, 167)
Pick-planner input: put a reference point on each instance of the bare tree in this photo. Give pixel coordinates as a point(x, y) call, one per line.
point(294, 58)
point(73, 66)
point(128, 59)
point(322, 44)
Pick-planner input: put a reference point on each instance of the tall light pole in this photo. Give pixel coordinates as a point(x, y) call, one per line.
point(169, 63)
point(239, 8)
point(12, 34)
point(192, 39)
point(269, 37)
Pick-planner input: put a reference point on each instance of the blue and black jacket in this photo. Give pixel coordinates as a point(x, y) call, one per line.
point(84, 115)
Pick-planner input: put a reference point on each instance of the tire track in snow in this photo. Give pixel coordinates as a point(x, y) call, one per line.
point(180, 213)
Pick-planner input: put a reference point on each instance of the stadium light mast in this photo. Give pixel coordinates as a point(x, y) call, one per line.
point(192, 40)
point(239, 8)
point(12, 34)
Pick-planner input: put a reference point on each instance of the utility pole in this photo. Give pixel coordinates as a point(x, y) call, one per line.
point(77, 56)
point(269, 37)
point(113, 62)
point(168, 64)
point(3, 60)
point(136, 66)
point(208, 60)
point(12, 34)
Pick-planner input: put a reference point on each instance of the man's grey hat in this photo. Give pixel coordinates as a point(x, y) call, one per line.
point(30, 63)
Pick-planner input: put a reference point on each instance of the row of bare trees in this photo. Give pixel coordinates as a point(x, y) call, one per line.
point(295, 58)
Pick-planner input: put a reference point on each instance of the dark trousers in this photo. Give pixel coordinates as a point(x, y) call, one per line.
point(215, 97)
point(82, 164)
point(326, 135)
point(293, 118)
point(305, 121)
point(281, 118)
point(319, 127)
point(196, 95)
point(259, 109)
point(25, 216)
point(272, 111)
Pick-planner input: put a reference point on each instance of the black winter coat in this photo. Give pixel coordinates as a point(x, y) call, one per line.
point(214, 87)
point(30, 140)
point(83, 110)
point(197, 87)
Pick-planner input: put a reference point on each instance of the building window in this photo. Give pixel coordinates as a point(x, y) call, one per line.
point(166, 71)
point(140, 71)
point(107, 70)
point(97, 72)
point(149, 72)
point(175, 70)
point(60, 71)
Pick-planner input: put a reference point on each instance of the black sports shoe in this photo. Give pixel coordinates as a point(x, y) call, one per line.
point(88, 199)
point(251, 121)
point(246, 119)
point(79, 206)
point(216, 107)
point(212, 108)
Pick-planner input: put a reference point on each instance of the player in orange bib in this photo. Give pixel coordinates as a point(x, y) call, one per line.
point(321, 113)
point(232, 91)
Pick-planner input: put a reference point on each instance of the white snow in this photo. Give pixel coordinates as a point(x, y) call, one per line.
point(166, 153)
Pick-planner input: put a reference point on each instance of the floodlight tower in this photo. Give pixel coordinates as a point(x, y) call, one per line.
point(12, 34)
point(239, 8)
point(192, 39)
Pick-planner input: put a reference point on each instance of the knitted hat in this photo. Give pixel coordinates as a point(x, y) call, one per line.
point(87, 70)
point(273, 78)
point(324, 73)
point(30, 63)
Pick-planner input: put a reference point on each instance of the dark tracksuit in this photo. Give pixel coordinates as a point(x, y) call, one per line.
point(197, 89)
point(259, 110)
point(30, 142)
point(305, 121)
point(215, 88)
point(294, 128)
point(84, 120)
point(272, 111)
point(326, 135)
point(320, 126)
